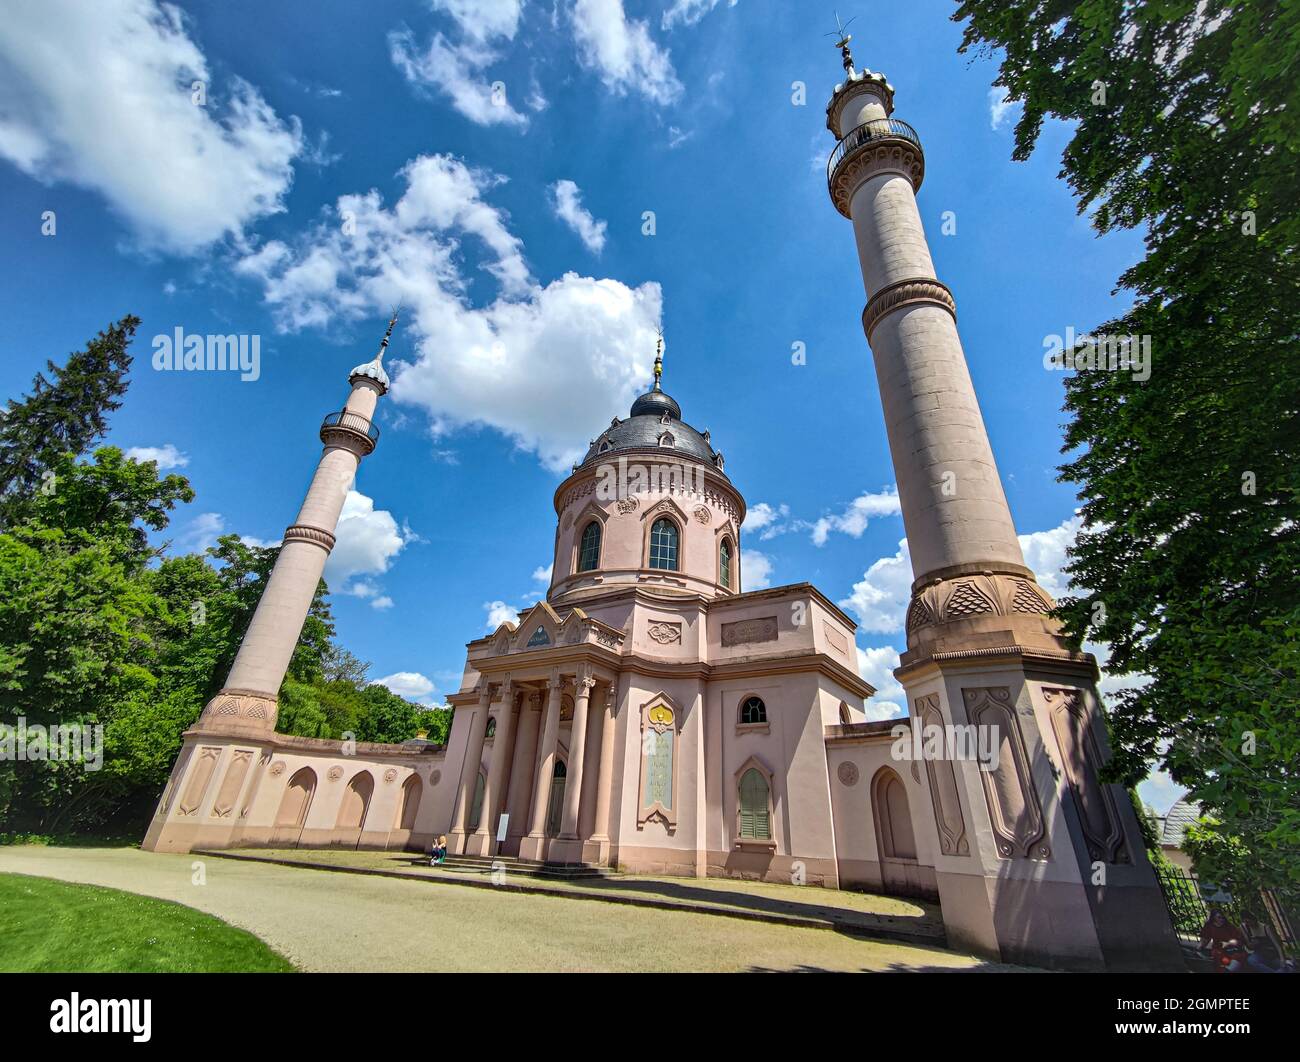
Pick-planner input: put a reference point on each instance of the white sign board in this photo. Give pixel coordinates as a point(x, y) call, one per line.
point(503, 823)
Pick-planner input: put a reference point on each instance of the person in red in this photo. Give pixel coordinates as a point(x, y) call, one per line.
point(1225, 942)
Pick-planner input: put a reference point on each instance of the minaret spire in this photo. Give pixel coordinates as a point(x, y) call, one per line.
point(842, 40)
point(659, 359)
point(379, 358)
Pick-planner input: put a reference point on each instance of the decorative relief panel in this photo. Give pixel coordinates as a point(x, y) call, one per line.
point(944, 793)
point(847, 772)
point(240, 761)
point(1081, 758)
point(659, 723)
point(749, 632)
point(665, 632)
point(702, 514)
point(334, 773)
point(200, 776)
point(1016, 815)
point(836, 640)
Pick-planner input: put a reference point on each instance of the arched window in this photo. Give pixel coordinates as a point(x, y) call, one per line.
point(755, 814)
point(491, 730)
point(846, 716)
point(724, 564)
point(589, 549)
point(555, 801)
point(753, 710)
point(663, 544)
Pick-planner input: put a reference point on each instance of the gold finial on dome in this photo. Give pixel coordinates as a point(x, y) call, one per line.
point(659, 359)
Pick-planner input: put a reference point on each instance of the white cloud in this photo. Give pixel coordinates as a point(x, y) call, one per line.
point(498, 612)
point(1045, 555)
point(541, 365)
point(569, 209)
point(854, 519)
point(689, 12)
point(457, 70)
point(767, 519)
point(880, 600)
point(483, 20)
point(876, 665)
point(409, 684)
point(755, 570)
point(999, 106)
point(367, 541)
point(201, 533)
point(622, 51)
point(100, 95)
point(543, 575)
point(166, 456)
point(382, 602)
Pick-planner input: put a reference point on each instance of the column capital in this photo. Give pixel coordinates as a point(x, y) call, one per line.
point(556, 681)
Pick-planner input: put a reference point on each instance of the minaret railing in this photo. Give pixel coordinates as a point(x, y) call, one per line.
point(868, 133)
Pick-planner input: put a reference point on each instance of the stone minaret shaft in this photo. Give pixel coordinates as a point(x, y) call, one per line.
point(247, 702)
point(953, 505)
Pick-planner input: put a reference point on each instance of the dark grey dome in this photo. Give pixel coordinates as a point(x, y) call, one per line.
point(656, 404)
point(655, 423)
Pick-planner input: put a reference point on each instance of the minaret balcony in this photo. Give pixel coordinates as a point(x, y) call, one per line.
point(851, 155)
point(350, 430)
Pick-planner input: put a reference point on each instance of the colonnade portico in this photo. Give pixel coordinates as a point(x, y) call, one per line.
point(529, 710)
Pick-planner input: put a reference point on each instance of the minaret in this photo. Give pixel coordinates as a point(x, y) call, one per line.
point(247, 702)
point(1038, 860)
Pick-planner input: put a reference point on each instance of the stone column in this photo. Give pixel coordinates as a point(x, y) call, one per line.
point(522, 769)
point(247, 703)
point(246, 707)
point(498, 777)
point(572, 852)
point(604, 778)
point(1030, 866)
point(470, 767)
point(534, 845)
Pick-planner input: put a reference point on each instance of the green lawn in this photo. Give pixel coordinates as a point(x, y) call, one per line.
point(53, 926)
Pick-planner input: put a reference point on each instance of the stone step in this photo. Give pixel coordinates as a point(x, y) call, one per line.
point(467, 864)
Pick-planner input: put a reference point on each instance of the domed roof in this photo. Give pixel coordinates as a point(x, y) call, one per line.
point(373, 370)
point(655, 422)
point(656, 404)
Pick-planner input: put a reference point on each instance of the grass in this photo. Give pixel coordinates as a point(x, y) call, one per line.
point(54, 926)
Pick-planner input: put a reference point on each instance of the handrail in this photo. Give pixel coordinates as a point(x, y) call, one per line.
point(866, 133)
point(351, 422)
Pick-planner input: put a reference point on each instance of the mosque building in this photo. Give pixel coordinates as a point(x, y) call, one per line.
point(650, 715)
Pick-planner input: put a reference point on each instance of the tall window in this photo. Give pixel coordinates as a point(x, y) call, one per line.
point(663, 544)
point(724, 564)
point(589, 548)
point(755, 818)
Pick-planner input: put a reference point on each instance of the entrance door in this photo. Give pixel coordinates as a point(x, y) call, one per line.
point(555, 804)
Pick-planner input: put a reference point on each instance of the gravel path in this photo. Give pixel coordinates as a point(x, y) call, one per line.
point(333, 922)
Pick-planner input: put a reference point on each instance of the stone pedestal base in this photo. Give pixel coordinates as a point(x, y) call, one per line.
point(565, 850)
point(1038, 861)
point(534, 847)
point(480, 844)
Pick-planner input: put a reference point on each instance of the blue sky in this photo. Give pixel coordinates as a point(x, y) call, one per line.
point(491, 164)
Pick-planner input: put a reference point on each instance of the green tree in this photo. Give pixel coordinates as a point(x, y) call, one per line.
point(62, 415)
point(1186, 125)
